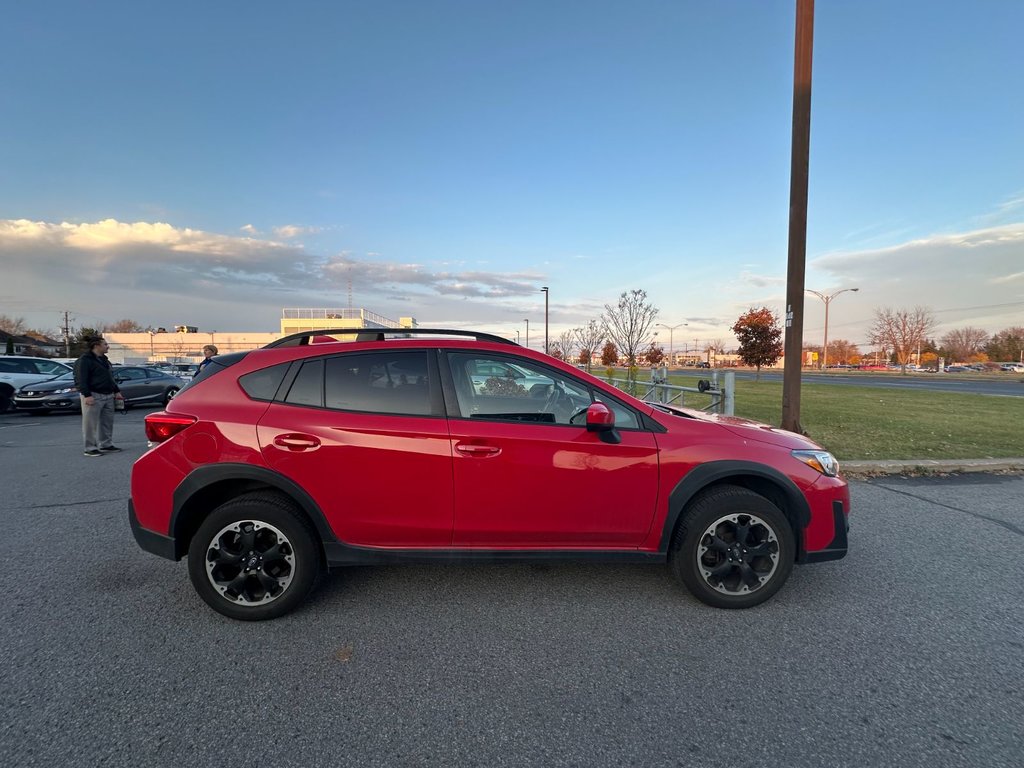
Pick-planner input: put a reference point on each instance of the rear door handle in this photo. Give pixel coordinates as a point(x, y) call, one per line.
point(482, 451)
point(293, 442)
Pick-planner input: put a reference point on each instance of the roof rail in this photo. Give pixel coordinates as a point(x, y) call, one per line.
point(379, 334)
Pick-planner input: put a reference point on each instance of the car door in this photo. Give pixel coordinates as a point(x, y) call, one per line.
point(365, 435)
point(527, 472)
point(134, 384)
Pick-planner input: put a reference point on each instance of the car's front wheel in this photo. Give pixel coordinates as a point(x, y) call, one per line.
point(733, 548)
point(254, 558)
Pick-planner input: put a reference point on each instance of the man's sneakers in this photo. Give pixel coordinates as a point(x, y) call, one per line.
point(101, 451)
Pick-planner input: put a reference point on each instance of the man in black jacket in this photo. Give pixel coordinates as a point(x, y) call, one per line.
point(94, 378)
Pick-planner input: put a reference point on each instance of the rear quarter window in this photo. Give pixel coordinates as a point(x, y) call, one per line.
point(259, 385)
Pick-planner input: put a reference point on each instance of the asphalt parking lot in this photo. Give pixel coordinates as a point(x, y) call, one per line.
point(908, 652)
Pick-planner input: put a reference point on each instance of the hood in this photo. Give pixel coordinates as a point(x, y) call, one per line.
point(748, 429)
point(48, 385)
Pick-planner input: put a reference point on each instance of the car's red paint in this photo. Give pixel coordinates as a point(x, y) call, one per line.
point(459, 481)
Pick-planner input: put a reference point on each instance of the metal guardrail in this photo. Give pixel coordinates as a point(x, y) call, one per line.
point(721, 388)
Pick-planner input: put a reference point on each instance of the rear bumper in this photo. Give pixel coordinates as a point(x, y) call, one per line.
point(150, 541)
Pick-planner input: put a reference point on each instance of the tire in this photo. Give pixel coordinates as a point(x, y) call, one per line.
point(732, 548)
point(169, 394)
point(6, 400)
point(254, 558)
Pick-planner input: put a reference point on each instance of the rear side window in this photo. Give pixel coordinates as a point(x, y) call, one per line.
point(259, 385)
point(308, 387)
point(396, 381)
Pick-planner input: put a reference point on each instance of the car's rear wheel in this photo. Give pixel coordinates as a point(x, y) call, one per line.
point(732, 548)
point(254, 558)
point(169, 394)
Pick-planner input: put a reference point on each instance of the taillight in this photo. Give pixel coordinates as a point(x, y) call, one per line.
point(162, 426)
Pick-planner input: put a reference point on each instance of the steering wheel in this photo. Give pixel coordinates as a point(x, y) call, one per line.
point(554, 399)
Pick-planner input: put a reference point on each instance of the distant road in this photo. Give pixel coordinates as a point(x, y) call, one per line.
point(1010, 386)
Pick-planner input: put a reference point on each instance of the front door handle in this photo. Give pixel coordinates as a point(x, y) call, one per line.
point(294, 442)
point(481, 451)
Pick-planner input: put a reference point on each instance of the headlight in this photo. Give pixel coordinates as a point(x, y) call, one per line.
point(823, 461)
point(63, 391)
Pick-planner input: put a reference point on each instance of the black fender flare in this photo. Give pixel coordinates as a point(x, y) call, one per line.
point(205, 476)
point(713, 472)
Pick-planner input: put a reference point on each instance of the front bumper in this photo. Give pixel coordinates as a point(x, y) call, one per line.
point(150, 541)
point(66, 402)
point(838, 547)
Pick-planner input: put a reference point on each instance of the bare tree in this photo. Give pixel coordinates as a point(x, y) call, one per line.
point(590, 339)
point(566, 343)
point(964, 343)
point(717, 348)
point(13, 325)
point(902, 331)
point(123, 326)
point(629, 323)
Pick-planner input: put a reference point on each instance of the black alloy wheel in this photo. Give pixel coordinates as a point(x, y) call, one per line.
point(254, 558)
point(733, 548)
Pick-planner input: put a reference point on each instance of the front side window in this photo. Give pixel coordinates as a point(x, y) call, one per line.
point(497, 389)
point(394, 381)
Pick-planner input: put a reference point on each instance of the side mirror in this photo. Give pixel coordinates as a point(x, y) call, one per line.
point(119, 379)
point(600, 419)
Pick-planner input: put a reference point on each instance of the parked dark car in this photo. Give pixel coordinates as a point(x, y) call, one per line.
point(140, 386)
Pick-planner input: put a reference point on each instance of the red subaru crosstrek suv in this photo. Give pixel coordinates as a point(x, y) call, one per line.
point(419, 445)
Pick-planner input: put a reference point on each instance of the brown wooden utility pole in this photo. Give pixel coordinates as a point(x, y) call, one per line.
point(798, 174)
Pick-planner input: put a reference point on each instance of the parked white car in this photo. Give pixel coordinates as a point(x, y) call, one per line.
point(18, 370)
point(1012, 367)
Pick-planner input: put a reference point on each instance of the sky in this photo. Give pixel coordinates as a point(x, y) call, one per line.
point(209, 164)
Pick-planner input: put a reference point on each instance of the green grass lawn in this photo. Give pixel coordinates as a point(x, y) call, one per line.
point(875, 423)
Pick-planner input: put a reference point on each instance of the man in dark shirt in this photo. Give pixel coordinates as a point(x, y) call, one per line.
point(94, 378)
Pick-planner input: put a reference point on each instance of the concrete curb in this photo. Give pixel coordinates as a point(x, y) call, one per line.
point(928, 466)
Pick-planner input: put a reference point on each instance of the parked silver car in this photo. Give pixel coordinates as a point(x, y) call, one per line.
point(18, 370)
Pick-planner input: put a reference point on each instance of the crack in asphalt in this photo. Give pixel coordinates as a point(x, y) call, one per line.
point(1008, 526)
point(73, 503)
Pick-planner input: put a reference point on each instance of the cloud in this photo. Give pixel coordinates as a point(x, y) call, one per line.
point(1016, 277)
point(177, 267)
point(762, 281)
point(289, 231)
point(965, 278)
point(250, 229)
point(343, 268)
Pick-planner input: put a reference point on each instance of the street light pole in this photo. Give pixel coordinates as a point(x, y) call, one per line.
point(527, 332)
point(545, 289)
point(827, 298)
point(671, 328)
